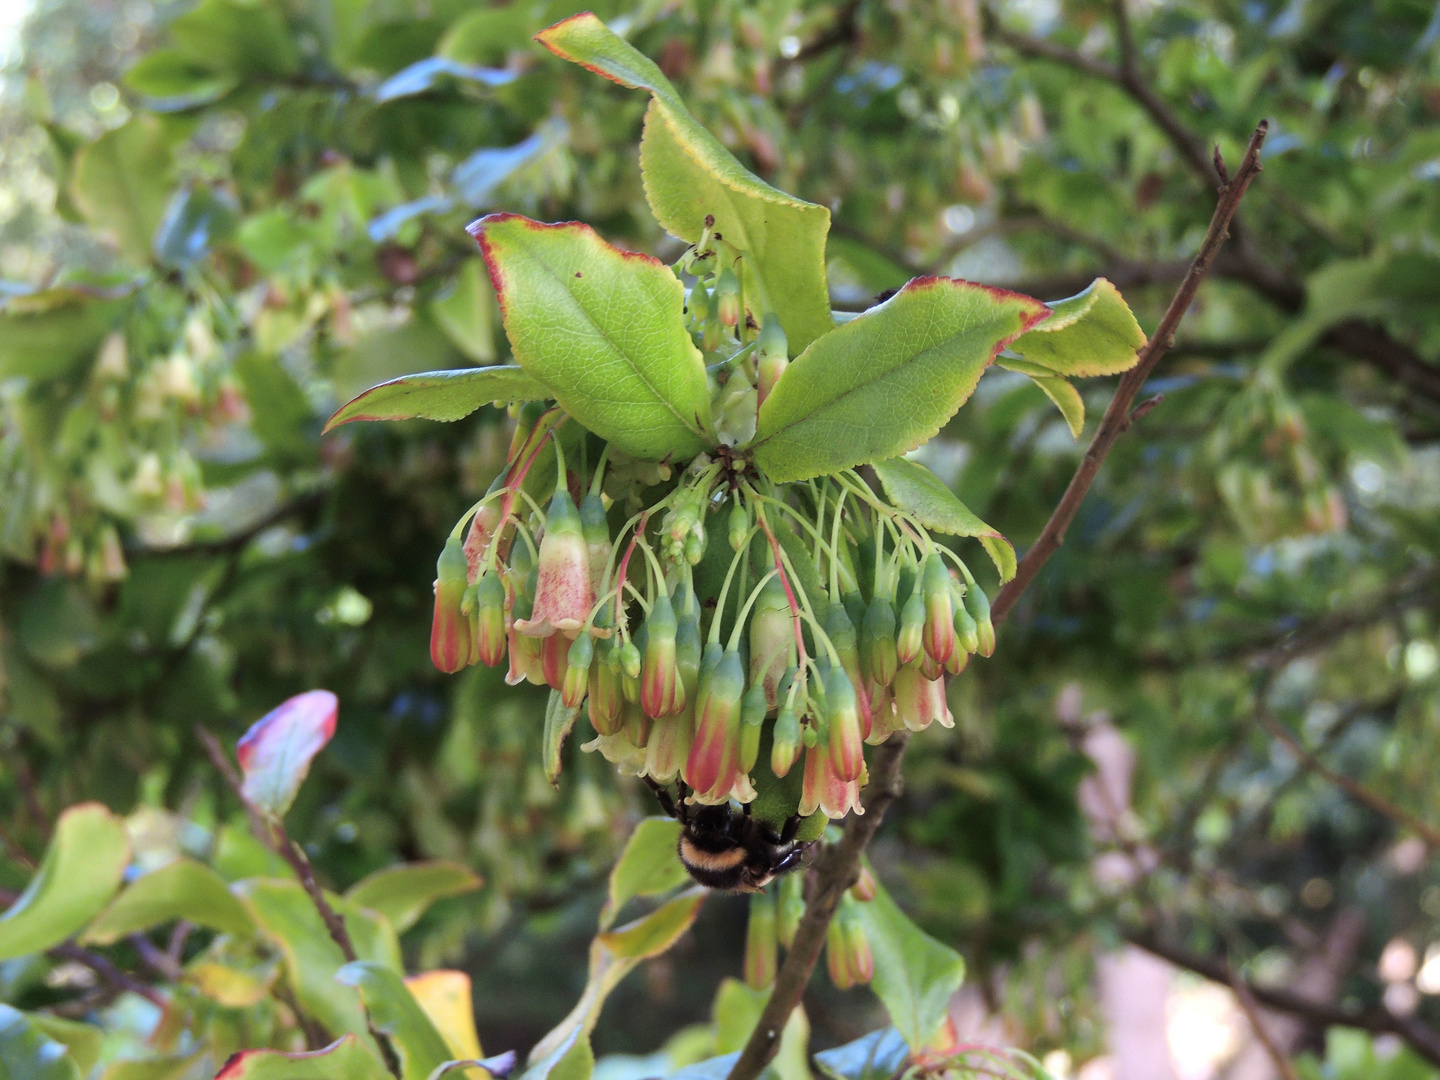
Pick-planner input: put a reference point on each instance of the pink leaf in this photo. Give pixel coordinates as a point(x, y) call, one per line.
point(276, 752)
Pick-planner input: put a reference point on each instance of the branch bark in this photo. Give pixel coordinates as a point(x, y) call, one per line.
point(1117, 415)
point(836, 870)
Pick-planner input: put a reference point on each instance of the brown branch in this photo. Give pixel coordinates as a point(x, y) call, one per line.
point(835, 871)
point(1356, 790)
point(1117, 414)
point(1421, 1038)
point(1257, 1024)
point(108, 972)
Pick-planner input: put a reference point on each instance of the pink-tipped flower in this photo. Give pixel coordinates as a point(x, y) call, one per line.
point(578, 662)
point(865, 886)
point(669, 745)
point(597, 539)
point(760, 942)
point(967, 631)
point(842, 715)
point(662, 693)
point(450, 644)
point(637, 726)
point(978, 604)
point(823, 790)
point(877, 641)
point(939, 633)
point(772, 639)
point(477, 539)
point(841, 630)
point(489, 625)
point(837, 956)
point(713, 766)
point(858, 955)
point(772, 357)
point(727, 297)
point(785, 744)
point(563, 595)
point(919, 701)
point(882, 714)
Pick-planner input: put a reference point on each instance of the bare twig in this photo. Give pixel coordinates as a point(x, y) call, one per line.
point(1356, 790)
point(1421, 1038)
point(1247, 1001)
point(108, 972)
point(1117, 414)
point(835, 871)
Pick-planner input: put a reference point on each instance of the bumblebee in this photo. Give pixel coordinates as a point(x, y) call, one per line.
point(731, 850)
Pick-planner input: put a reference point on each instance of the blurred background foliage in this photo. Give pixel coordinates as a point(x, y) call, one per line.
point(218, 220)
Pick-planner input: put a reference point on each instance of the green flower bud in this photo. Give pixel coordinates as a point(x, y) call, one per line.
point(978, 604)
point(727, 297)
point(785, 744)
point(877, 642)
point(739, 526)
point(760, 942)
point(790, 907)
point(577, 671)
point(912, 628)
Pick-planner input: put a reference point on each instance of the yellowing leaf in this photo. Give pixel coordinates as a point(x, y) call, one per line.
point(920, 493)
point(394, 1012)
point(1091, 333)
point(445, 998)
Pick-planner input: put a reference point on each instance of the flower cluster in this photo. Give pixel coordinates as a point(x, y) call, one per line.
point(775, 913)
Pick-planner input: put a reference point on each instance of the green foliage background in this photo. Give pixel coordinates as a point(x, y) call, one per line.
point(221, 220)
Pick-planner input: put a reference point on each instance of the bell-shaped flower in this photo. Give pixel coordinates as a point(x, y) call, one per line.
point(713, 766)
point(578, 662)
point(669, 745)
point(662, 693)
point(555, 660)
point(478, 537)
point(920, 701)
point(772, 357)
point(877, 641)
point(939, 634)
point(637, 725)
point(842, 715)
point(772, 639)
point(790, 907)
point(489, 626)
point(882, 714)
point(785, 743)
point(606, 700)
point(450, 631)
point(967, 631)
point(841, 631)
point(978, 604)
point(752, 722)
point(596, 530)
point(823, 790)
point(563, 594)
point(910, 639)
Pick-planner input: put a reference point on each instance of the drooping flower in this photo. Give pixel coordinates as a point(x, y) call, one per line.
point(596, 530)
point(489, 625)
point(760, 942)
point(662, 693)
point(877, 641)
point(563, 594)
point(823, 790)
point(785, 742)
point(842, 715)
point(578, 662)
point(713, 766)
point(939, 633)
point(450, 644)
point(772, 639)
point(920, 701)
point(841, 631)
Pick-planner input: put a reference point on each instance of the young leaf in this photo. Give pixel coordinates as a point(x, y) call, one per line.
point(440, 395)
point(876, 1056)
point(689, 175)
point(1091, 333)
point(183, 889)
point(81, 870)
point(120, 183)
point(647, 867)
point(467, 313)
point(915, 975)
point(394, 1012)
point(604, 330)
point(613, 955)
point(26, 1051)
point(403, 893)
point(276, 752)
point(884, 383)
point(918, 491)
point(345, 1059)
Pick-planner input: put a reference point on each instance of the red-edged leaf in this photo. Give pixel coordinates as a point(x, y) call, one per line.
point(344, 1059)
point(276, 752)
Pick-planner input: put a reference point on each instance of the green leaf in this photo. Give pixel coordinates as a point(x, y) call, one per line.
point(345, 1059)
point(403, 893)
point(884, 383)
point(559, 722)
point(613, 955)
point(648, 866)
point(28, 1053)
point(876, 1056)
point(735, 1013)
point(920, 493)
point(915, 975)
point(281, 414)
point(159, 1067)
point(394, 1012)
point(311, 958)
point(1091, 333)
point(246, 38)
point(467, 313)
point(604, 329)
point(573, 1059)
point(83, 1041)
point(81, 870)
point(689, 175)
point(120, 183)
point(196, 219)
point(440, 395)
point(170, 81)
point(276, 752)
point(183, 889)
point(50, 340)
